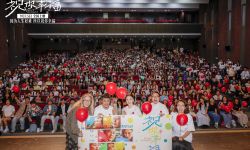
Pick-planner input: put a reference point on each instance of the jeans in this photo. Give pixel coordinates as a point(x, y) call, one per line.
point(215, 117)
point(14, 121)
point(227, 117)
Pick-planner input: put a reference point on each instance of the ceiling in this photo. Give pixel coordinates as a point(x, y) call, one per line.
point(129, 4)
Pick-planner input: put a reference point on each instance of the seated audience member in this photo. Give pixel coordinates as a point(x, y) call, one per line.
point(202, 115)
point(227, 116)
point(157, 107)
point(34, 116)
point(21, 114)
point(49, 112)
point(241, 116)
point(213, 113)
point(61, 113)
point(104, 109)
point(182, 135)
point(8, 112)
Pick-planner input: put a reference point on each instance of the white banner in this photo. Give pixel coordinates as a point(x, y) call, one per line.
point(126, 133)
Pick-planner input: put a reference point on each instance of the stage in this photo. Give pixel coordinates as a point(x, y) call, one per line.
point(203, 140)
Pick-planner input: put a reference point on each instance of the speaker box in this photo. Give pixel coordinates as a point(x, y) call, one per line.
point(227, 47)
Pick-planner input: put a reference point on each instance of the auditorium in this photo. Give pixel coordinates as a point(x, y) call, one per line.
point(124, 74)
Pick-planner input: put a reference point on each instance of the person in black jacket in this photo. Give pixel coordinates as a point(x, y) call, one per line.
point(61, 114)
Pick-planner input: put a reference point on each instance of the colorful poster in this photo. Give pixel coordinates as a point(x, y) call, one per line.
point(126, 133)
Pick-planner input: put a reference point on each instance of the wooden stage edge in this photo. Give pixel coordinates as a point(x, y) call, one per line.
point(63, 136)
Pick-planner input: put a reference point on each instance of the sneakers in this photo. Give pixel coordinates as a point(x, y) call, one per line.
point(245, 126)
point(53, 131)
point(27, 130)
point(6, 130)
point(228, 126)
point(1, 129)
point(38, 130)
point(41, 129)
point(216, 125)
point(234, 123)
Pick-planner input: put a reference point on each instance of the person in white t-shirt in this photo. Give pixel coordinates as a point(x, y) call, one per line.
point(182, 135)
point(157, 107)
point(245, 74)
point(104, 109)
point(131, 109)
point(8, 112)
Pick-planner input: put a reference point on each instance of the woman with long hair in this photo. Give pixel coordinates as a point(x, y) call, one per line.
point(131, 109)
point(182, 135)
point(202, 114)
point(72, 130)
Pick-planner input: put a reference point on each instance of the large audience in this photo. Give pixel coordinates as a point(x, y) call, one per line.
point(51, 83)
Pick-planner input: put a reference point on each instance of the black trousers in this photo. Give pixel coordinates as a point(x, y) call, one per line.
point(181, 145)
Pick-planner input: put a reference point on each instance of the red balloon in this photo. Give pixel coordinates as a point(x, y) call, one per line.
point(78, 77)
point(24, 85)
point(16, 89)
point(82, 114)
point(182, 119)
point(237, 87)
point(194, 103)
point(169, 103)
point(227, 109)
point(52, 78)
point(222, 107)
point(230, 105)
point(170, 97)
point(223, 89)
point(244, 104)
point(197, 87)
point(121, 93)
point(146, 107)
point(248, 89)
point(219, 85)
point(207, 84)
point(226, 81)
point(209, 95)
point(111, 88)
point(56, 71)
point(65, 65)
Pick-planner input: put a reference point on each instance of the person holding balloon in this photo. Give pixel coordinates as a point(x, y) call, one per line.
point(237, 111)
point(225, 112)
point(78, 112)
point(131, 109)
point(157, 107)
point(182, 127)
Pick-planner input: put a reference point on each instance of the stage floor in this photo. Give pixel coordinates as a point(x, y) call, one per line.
point(217, 140)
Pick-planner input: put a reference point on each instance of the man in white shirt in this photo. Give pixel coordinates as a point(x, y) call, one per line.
point(157, 107)
point(8, 112)
point(104, 109)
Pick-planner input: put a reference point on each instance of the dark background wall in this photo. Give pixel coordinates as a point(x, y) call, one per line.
point(216, 34)
point(3, 37)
